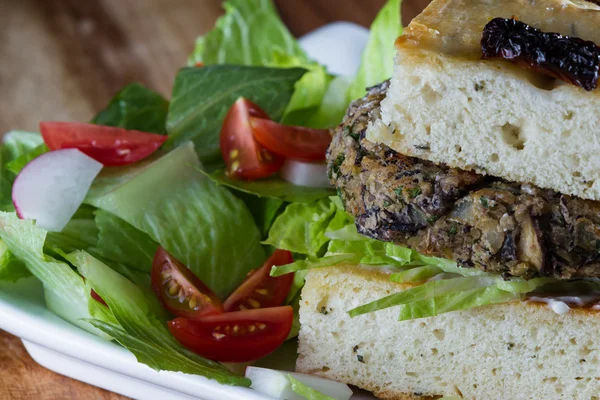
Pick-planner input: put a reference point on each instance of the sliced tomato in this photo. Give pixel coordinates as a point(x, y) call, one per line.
point(260, 289)
point(239, 336)
point(179, 290)
point(244, 156)
point(97, 297)
point(107, 144)
point(295, 142)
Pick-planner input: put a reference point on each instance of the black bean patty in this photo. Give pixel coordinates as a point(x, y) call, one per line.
point(478, 221)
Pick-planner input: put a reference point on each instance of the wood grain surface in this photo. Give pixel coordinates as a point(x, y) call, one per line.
point(64, 59)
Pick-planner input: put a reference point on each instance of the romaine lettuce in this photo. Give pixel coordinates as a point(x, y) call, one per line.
point(135, 107)
point(202, 96)
point(301, 228)
point(203, 225)
point(273, 187)
point(250, 33)
point(64, 289)
point(11, 269)
point(120, 242)
point(377, 62)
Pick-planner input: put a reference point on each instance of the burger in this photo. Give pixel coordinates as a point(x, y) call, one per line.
point(482, 150)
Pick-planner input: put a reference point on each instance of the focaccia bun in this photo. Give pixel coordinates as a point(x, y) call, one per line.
point(447, 105)
point(518, 350)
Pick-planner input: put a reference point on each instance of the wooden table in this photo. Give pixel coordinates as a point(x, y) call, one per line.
point(64, 59)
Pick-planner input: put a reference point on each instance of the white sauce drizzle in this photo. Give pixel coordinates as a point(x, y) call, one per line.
point(561, 304)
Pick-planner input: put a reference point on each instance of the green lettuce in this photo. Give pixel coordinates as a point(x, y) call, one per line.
point(135, 107)
point(301, 228)
point(11, 269)
point(250, 33)
point(333, 105)
point(129, 319)
point(273, 187)
point(64, 289)
point(377, 62)
point(17, 143)
point(80, 233)
point(312, 263)
point(120, 242)
point(15, 166)
point(202, 96)
point(263, 209)
point(204, 226)
point(308, 94)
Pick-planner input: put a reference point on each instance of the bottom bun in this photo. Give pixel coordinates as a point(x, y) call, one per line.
point(517, 350)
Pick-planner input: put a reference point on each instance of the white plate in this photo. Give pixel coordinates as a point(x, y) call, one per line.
point(68, 350)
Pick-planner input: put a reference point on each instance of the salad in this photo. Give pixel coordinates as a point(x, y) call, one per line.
point(157, 223)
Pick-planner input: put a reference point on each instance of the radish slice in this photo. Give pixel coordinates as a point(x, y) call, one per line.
point(305, 174)
point(276, 384)
point(52, 187)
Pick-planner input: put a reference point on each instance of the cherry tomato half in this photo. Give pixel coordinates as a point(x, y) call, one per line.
point(244, 156)
point(295, 142)
point(239, 336)
point(107, 144)
point(179, 290)
point(260, 290)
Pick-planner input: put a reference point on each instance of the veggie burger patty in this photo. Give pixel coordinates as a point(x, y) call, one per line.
point(478, 221)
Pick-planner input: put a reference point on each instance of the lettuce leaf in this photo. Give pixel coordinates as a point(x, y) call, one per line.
point(250, 33)
point(333, 105)
point(80, 233)
point(202, 96)
point(308, 94)
point(417, 274)
point(15, 166)
point(426, 291)
point(135, 107)
point(462, 300)
point(205, 226)
point(312, 263)
point(301, 228)
point(18, 143)
point(64, 289)
point(273, 187)
point(263, 209)
point(120, 242)
point(11, 269)
point(133, 324)
point(377, 62)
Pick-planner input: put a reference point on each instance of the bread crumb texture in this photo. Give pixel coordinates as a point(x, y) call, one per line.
point(517, 350)
point(495, 118)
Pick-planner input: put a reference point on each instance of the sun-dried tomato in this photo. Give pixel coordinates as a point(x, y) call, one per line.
point(570, 59)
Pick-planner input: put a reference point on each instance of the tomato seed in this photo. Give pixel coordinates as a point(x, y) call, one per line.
point(173, 288)
point(254, 303)
point(264, 292)
point(193, 302)
point(261, 326)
